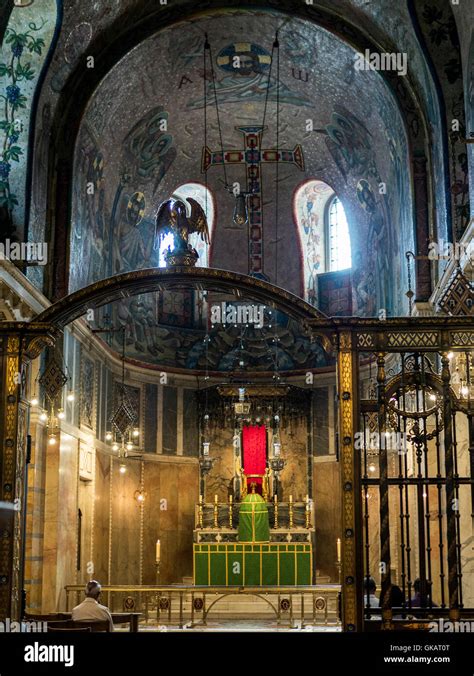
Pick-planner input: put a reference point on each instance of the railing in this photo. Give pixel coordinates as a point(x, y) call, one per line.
point(189, 605)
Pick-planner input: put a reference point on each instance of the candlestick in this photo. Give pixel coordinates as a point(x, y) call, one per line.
point(201, 512)
point(308, 513)
point(216, 512)
point(230, 512)
point(157, 566)
point(291, 512)
point(275, 500)
point(339, 559)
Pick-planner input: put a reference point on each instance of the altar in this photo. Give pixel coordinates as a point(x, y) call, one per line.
point(258, 564)
point(254, 538)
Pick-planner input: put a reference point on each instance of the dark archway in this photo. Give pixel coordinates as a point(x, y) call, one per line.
point(107, 290)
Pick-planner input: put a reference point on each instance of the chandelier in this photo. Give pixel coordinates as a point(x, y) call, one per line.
point(463, 374)
point(52, 381)
point(124, 434)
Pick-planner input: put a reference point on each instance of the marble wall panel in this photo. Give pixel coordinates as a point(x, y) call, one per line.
point(101, 517)
point(294, 451)
point(219, 479)
point(125, 524)
point(327, 501)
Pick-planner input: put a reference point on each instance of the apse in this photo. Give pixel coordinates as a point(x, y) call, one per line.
point(165, 129)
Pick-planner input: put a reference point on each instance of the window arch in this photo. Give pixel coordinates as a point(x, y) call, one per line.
point(323, 232)
point(204, 197)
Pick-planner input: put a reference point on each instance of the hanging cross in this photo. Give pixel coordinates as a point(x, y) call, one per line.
point(253, 156)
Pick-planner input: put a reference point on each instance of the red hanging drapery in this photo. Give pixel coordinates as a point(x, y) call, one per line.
point(254, 442)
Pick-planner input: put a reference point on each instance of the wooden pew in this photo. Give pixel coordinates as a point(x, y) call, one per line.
point(117, 618)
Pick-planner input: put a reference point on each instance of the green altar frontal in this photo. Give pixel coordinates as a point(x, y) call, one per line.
point(254, 564)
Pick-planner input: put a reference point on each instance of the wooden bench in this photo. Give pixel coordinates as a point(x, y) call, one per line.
point(85, 625)
point(117, 618)
point(127, 618)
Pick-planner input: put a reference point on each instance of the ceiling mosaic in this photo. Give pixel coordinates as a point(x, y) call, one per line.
point(202, 331)
point(87, 26)
point(356, 143)
point(23, 53)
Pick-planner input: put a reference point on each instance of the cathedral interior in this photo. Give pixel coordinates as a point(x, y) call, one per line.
point(236, 313)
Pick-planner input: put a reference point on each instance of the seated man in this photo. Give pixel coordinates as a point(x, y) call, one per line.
point(90, 609)
point(419, 600)
point(370, 600)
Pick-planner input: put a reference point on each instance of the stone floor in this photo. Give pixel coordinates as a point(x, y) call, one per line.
point(241, 626)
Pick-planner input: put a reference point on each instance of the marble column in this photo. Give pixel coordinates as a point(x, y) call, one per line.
point(60, 522)
point(19, 344)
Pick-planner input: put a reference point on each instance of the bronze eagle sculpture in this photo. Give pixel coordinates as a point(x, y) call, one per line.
point(172, 217)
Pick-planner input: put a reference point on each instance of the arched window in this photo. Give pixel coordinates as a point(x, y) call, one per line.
point(204, 197)
point(323, 232)
point(339, 243)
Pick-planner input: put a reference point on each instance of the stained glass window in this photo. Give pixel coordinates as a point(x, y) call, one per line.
point(323, 232)
point(339, 243)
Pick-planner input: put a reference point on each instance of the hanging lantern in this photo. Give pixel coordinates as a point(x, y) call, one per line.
point(241, 215)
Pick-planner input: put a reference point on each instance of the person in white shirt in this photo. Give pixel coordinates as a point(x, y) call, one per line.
point(369, 586)
point(90, 609)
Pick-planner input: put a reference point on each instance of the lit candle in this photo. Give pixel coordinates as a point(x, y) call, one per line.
point(275, 497)
point(158, 551)
point(200, 499)
point(291, 498)
point(216, 499)
point(338, 545)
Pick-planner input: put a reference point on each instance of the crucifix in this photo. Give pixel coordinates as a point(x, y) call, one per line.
point(253, 156)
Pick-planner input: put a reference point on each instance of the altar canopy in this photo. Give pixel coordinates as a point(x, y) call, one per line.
point(254, 441)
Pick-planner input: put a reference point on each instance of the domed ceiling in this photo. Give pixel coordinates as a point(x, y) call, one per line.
point(142, 137)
